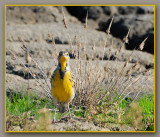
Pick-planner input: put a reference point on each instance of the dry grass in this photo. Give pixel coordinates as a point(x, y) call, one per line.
point(135, 116)
point(44, 123)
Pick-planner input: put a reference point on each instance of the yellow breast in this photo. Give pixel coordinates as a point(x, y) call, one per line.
point(62, 88)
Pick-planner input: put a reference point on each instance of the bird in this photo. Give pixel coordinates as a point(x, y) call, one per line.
point(62, 84)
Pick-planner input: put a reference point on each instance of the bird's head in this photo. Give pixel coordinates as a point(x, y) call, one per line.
point(63, 58)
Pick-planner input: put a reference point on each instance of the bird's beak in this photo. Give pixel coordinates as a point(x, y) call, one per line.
point(63, 58)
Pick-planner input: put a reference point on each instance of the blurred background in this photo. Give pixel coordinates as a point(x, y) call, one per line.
point(34, 23)
point(140, 20)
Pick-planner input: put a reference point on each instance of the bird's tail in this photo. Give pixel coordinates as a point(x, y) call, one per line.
point(62, 108)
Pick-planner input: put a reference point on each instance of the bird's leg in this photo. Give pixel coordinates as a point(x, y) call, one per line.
point(69, 111)
point(55, 105)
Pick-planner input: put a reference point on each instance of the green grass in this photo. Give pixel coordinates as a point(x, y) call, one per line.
point(17, 104)
point(142, 110)
point(147, 104)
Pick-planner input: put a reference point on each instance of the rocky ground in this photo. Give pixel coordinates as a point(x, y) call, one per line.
point(34, 23)
point(78, 124)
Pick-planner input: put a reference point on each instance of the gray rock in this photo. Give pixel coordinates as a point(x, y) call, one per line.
point(15, 128)
point(15, 83)
point(36, 14)
point(138, 18)
point(77, 125)
point(46, 51)
point(39, 33)
point(140, 26)
point(110, 10)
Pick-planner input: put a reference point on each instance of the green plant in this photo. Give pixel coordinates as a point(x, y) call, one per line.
point(18, 103)
point(147, 104)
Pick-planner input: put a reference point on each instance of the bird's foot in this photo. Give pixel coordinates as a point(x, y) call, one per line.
point(54, 120)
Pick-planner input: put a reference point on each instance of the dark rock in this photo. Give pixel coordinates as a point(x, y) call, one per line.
point(125, 10)
point(130, 10)
point(115, 128)
point(36, 9)
point(140, 27)
point(136, 41)
point(147, 9)
point(80, 12)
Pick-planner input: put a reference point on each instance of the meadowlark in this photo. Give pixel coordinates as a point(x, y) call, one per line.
point(62, 84)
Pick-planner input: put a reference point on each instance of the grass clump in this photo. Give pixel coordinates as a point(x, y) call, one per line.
point(139, 114)
point(134, 116)
point(23, 108)
point(43, 123)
